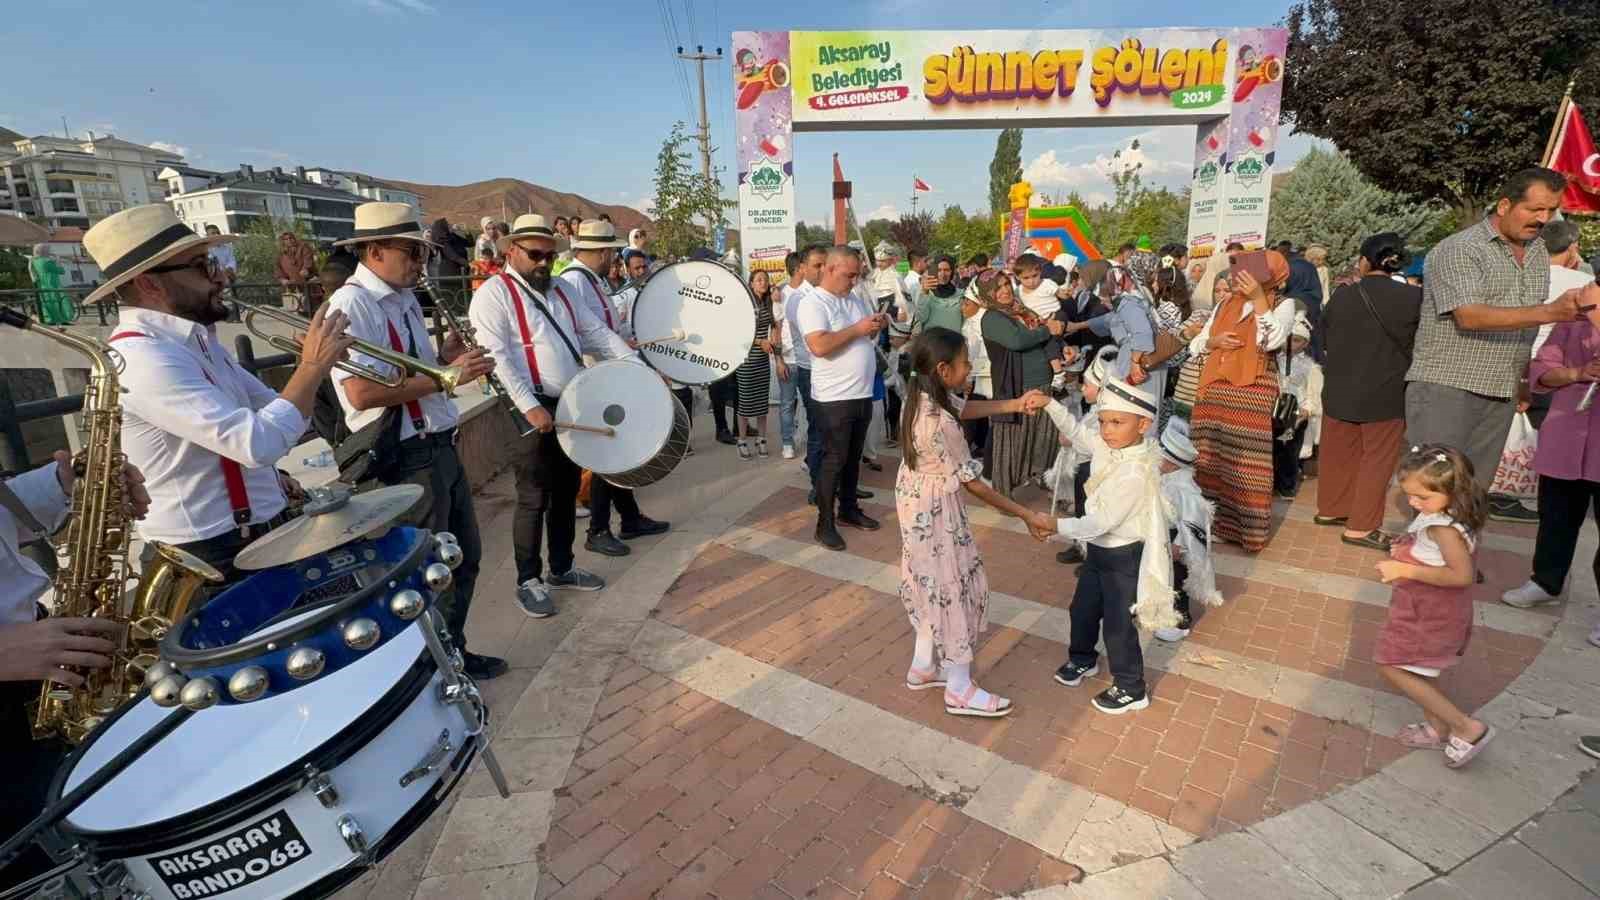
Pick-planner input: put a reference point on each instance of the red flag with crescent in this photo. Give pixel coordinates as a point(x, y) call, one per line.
point(917, 184)
point(1575, 157)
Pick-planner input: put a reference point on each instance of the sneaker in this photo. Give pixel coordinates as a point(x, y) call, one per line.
point(1073, 675)
point(761, 448)
point(576, 579)
point(744, 451)
point(788, 452)
point(1116, 701)
point(645, 527)
point(828, 536)
point(483, 668)
point(1509, 510)
point(1528, 596)
point(1178, 633)
point(534, 598)
point(1590, 744)
point(604, 543)
point(582, 511)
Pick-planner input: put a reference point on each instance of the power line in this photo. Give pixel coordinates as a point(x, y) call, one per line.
point(667, 31)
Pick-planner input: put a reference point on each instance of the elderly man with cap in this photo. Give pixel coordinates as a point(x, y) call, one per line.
point(190, 413)
point(594, 245)
point(536, 329)
point(378, 298)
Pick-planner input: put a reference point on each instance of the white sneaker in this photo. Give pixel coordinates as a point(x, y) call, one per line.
point(788, 452)
point(1171, 635)
point(583, 511)
point(1528, 596)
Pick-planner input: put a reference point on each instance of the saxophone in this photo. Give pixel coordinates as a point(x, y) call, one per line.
point(93, 576)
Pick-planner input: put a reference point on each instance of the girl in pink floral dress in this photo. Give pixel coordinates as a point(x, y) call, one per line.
point(941, 576)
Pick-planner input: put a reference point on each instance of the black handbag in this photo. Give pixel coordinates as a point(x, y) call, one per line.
point(1286, 412)
point(373, 453)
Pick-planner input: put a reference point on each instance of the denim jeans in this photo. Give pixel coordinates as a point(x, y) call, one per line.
point(788, 396)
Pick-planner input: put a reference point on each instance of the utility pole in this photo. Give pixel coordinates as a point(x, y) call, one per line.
point(700, 57)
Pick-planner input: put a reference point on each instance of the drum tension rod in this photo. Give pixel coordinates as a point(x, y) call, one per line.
point(454, 680)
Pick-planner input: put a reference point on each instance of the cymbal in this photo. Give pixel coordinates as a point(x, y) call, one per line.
point(331, 518)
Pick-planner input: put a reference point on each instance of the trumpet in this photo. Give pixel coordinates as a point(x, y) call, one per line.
point(446, 377)
point(442, 311)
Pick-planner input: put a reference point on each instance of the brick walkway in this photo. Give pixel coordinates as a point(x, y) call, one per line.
point(728, 720)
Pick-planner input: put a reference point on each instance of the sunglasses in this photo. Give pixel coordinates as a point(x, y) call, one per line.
point(200, 264)
point(537, 256)
point(418, 252)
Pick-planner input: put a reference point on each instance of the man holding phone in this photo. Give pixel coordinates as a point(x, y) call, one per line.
point(839, 331)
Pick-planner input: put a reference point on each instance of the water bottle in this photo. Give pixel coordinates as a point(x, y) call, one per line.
point(321, 460)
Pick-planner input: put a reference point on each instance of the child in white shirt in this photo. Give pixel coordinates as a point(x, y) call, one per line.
point(1192, 570)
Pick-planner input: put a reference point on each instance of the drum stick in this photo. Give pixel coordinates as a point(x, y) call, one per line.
point(606, 430)
point(677, 334)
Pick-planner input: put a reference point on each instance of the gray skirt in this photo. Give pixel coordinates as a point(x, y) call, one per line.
point(1020, 452)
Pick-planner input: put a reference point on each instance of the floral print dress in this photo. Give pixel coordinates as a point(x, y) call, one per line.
point(941, 576)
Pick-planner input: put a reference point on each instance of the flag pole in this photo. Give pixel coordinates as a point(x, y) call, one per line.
point(1559, 127)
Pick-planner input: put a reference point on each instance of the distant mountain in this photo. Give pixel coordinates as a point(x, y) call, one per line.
point(508, 198)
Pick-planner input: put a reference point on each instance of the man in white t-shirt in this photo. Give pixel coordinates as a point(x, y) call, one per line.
point(795, 293)
point(839, 329)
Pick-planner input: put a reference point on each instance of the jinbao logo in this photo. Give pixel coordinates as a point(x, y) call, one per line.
point(766, 179)
point(1206, 177)
point(1249, 170)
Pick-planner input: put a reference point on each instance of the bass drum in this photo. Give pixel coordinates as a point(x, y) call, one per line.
point(651, 427)
point(714, 309)
point(293, 795)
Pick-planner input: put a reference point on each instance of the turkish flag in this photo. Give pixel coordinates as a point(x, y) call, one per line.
point(1575, 157)
point(917, 184)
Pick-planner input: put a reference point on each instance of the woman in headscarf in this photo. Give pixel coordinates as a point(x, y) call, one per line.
point(1020, 447)
point(1231, 425)
point(1211, 291)
point(55, 306)
point(1131, 322)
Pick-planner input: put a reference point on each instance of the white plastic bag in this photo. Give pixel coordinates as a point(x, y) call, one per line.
point(1515, 476)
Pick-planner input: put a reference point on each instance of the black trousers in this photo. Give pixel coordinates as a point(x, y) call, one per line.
point(1286, 461)
point(1080, 488)
point(1563, 505)
point(976, 430)
point(1180, 601)
point(547, 497)
point(1108, 584)
point(844, 433)
point(724, 393)
point(891, 413)
point(29, 766)
point(602, 496)
point(686, 397)
point(431, 463)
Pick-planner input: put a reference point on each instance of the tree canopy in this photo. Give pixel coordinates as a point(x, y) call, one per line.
point(682, 195)
point(1442, 99)
point(1326, 200)
point(1005, 170)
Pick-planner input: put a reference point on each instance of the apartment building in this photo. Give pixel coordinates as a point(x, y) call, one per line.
point(234, 200)
point(75, 182)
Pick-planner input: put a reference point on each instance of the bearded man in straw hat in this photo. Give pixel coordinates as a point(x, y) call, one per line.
point(189, 412)
point(535, 327)
point(378, 298)
point(594, 246)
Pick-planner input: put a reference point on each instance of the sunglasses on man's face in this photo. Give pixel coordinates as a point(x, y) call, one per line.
point(538, 256)
point(418, 252)
point(203, 264)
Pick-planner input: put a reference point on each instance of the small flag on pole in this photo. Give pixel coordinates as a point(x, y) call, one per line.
point(917, 184)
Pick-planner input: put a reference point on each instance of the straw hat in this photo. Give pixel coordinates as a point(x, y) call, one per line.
point(595, 234)
point(135, 240)
point(385, 222)
point(528, 226)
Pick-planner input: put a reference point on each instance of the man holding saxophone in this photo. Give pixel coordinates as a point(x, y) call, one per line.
point(383, 311)
point(204, 432)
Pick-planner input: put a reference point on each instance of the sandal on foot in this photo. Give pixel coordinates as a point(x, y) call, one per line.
point(1420, 736)
point(1458, 751)
point(1330, 520)
point(991, 708)
point(1372, 540)
point(925, 679)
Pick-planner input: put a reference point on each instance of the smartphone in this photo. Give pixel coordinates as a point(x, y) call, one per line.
point(1254, 262)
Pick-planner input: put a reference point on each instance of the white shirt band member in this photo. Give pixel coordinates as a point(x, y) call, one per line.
point(22, 582)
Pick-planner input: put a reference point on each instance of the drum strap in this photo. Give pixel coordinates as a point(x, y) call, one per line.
point(419, 422)
point(232, 472)
point(594, 281)
point(527, 336)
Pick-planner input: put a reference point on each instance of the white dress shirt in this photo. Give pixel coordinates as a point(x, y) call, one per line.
point(22, 582)
point(847, 374)
point(1110, 518)
point(495, 320)
point(1272, 329)
point(581, 282)
point(795, 351)
point(187, 404)
point(373, 306)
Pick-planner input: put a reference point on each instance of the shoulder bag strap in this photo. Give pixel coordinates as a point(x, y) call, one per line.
point(1382, 326)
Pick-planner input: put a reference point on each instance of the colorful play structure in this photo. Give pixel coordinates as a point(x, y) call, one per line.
point(1051, 230)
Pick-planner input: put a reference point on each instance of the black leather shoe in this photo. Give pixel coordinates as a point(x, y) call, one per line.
point(811, 498)
point(1070, 556)
point(858, 519)
point(872, 464)
point(828, 536)
point(483, 668)
point(644, 527)
point(602, 542)
point(724, 437)
point(863, 495)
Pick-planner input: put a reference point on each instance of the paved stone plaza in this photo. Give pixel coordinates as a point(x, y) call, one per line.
point(728, 719)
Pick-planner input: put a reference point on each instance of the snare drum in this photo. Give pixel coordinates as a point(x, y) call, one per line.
point(711, 305)
point(652, 427)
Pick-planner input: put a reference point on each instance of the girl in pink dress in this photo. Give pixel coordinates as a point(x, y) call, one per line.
point(941, 576)
point(1430, 614)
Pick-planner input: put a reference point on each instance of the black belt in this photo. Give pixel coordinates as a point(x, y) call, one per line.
point(445, 438)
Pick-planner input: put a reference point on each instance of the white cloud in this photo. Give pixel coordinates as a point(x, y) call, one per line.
point(886, 211)
point(1049, 170)
point(1163, 155)
point(166, 147)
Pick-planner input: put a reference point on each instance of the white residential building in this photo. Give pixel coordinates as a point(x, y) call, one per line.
point(364, 186)
point(74, 183)
point(235, 200)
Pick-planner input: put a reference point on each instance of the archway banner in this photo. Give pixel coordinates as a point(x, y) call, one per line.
point(786, 82)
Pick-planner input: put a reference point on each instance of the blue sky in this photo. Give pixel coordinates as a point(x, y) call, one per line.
point(575, 96)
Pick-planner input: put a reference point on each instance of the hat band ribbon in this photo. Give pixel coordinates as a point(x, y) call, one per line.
point(386, 231)
point(1128, 396)
point(152, 245)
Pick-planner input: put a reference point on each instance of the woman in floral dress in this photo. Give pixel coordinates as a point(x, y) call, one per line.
point(941, 575)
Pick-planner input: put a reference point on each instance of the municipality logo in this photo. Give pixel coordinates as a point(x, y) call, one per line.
point(1250, 170)
point(766, 179)
point(1207, 176)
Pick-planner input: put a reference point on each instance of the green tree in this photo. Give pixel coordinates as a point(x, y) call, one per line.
point(806, 235)
point(1446, 98)
point(913, 232)
point(683, 194)
point(257, 248)
point(961, 235)
point(1326, 200)
point(1004, 170)
point(13, 270)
